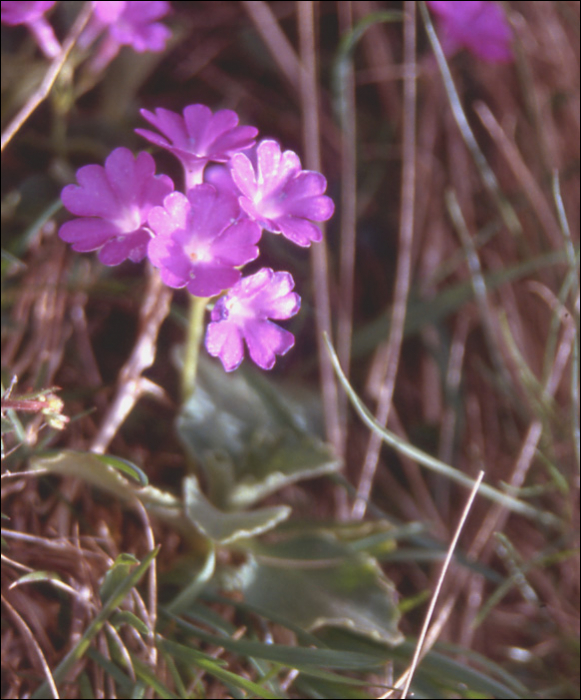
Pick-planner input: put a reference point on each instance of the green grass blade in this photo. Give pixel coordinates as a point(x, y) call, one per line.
point(82, 646)
point(432, 463)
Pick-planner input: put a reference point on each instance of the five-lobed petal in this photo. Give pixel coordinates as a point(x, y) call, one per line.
point(198, 137)
point(201, 240)
point(243, 315)
point(114, 202)
point(279, 195)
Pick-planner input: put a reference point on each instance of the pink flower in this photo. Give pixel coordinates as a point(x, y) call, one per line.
point(198, 137)
point(201, 240)
point(32, 15)
point(134, 23)
point(243, 315)
point(219, 175)
point(127, 24)
point(280, 196)
point(481, 27)
point(114, 202)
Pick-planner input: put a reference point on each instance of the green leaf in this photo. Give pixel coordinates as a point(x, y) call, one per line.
point(291, 656)
point(126, 617)
point(344, 59)
point(311, 687)
point(113, 602)
point(196, 577)
point(317, 581)
point(436, 670)
point(436, 667)
point(86, 466)
point(123, 681)
point(225, 528)
point(103, 471)
point(99, 473)
point(214, 668)
point(305, 639)
point(126, 467)
point(35, 576)
point(86, 691)
point(250, 437)
point(374, 537)
point(304, 547)
point(118, 572)
point(7, 426)
point(350, 39)
point(11, 259)
point(148, 675)
point(430, 462)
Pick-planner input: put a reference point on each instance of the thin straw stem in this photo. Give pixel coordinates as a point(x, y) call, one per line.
point(404, 262)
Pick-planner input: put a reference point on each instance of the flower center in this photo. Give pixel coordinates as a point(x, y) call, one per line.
point(129, 220)
point(198, 253)
point(271, 205)
point(237, 309)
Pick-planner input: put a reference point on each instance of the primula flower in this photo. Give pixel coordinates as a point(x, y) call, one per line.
point(115, 201)
point(480, 27)
point(201, 239)
point(198, 137)
point(243, 315)
point(32, 15)
point(280, 196)
point(219, 175)
point(128, 24)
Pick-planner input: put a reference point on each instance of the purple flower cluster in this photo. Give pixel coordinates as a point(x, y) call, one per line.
point(31, 14)
point(199, 240)
point(479, 26)
point(115, 23)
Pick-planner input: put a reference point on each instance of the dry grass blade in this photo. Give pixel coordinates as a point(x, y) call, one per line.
point(421, 648)
point(404, 262)
point(523, 174)
point(348, 213)
point(131, 384)
point(311, 141)
point(50, 77)
point(152, 588)
point(488, 177)
point(504, 501)
point(449, 276)
point(280, 47)
point(33, 647)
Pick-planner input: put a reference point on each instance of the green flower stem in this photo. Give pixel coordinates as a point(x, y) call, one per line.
point(193, 342)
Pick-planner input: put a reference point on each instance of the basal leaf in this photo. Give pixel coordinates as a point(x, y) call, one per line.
point(85, 466)
point(225, 528)
point(316, 582)
point(250, 436)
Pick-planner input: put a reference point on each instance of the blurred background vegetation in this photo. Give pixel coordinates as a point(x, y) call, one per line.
point(455, 313)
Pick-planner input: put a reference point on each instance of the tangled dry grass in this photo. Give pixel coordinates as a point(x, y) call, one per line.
point(455, 301)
